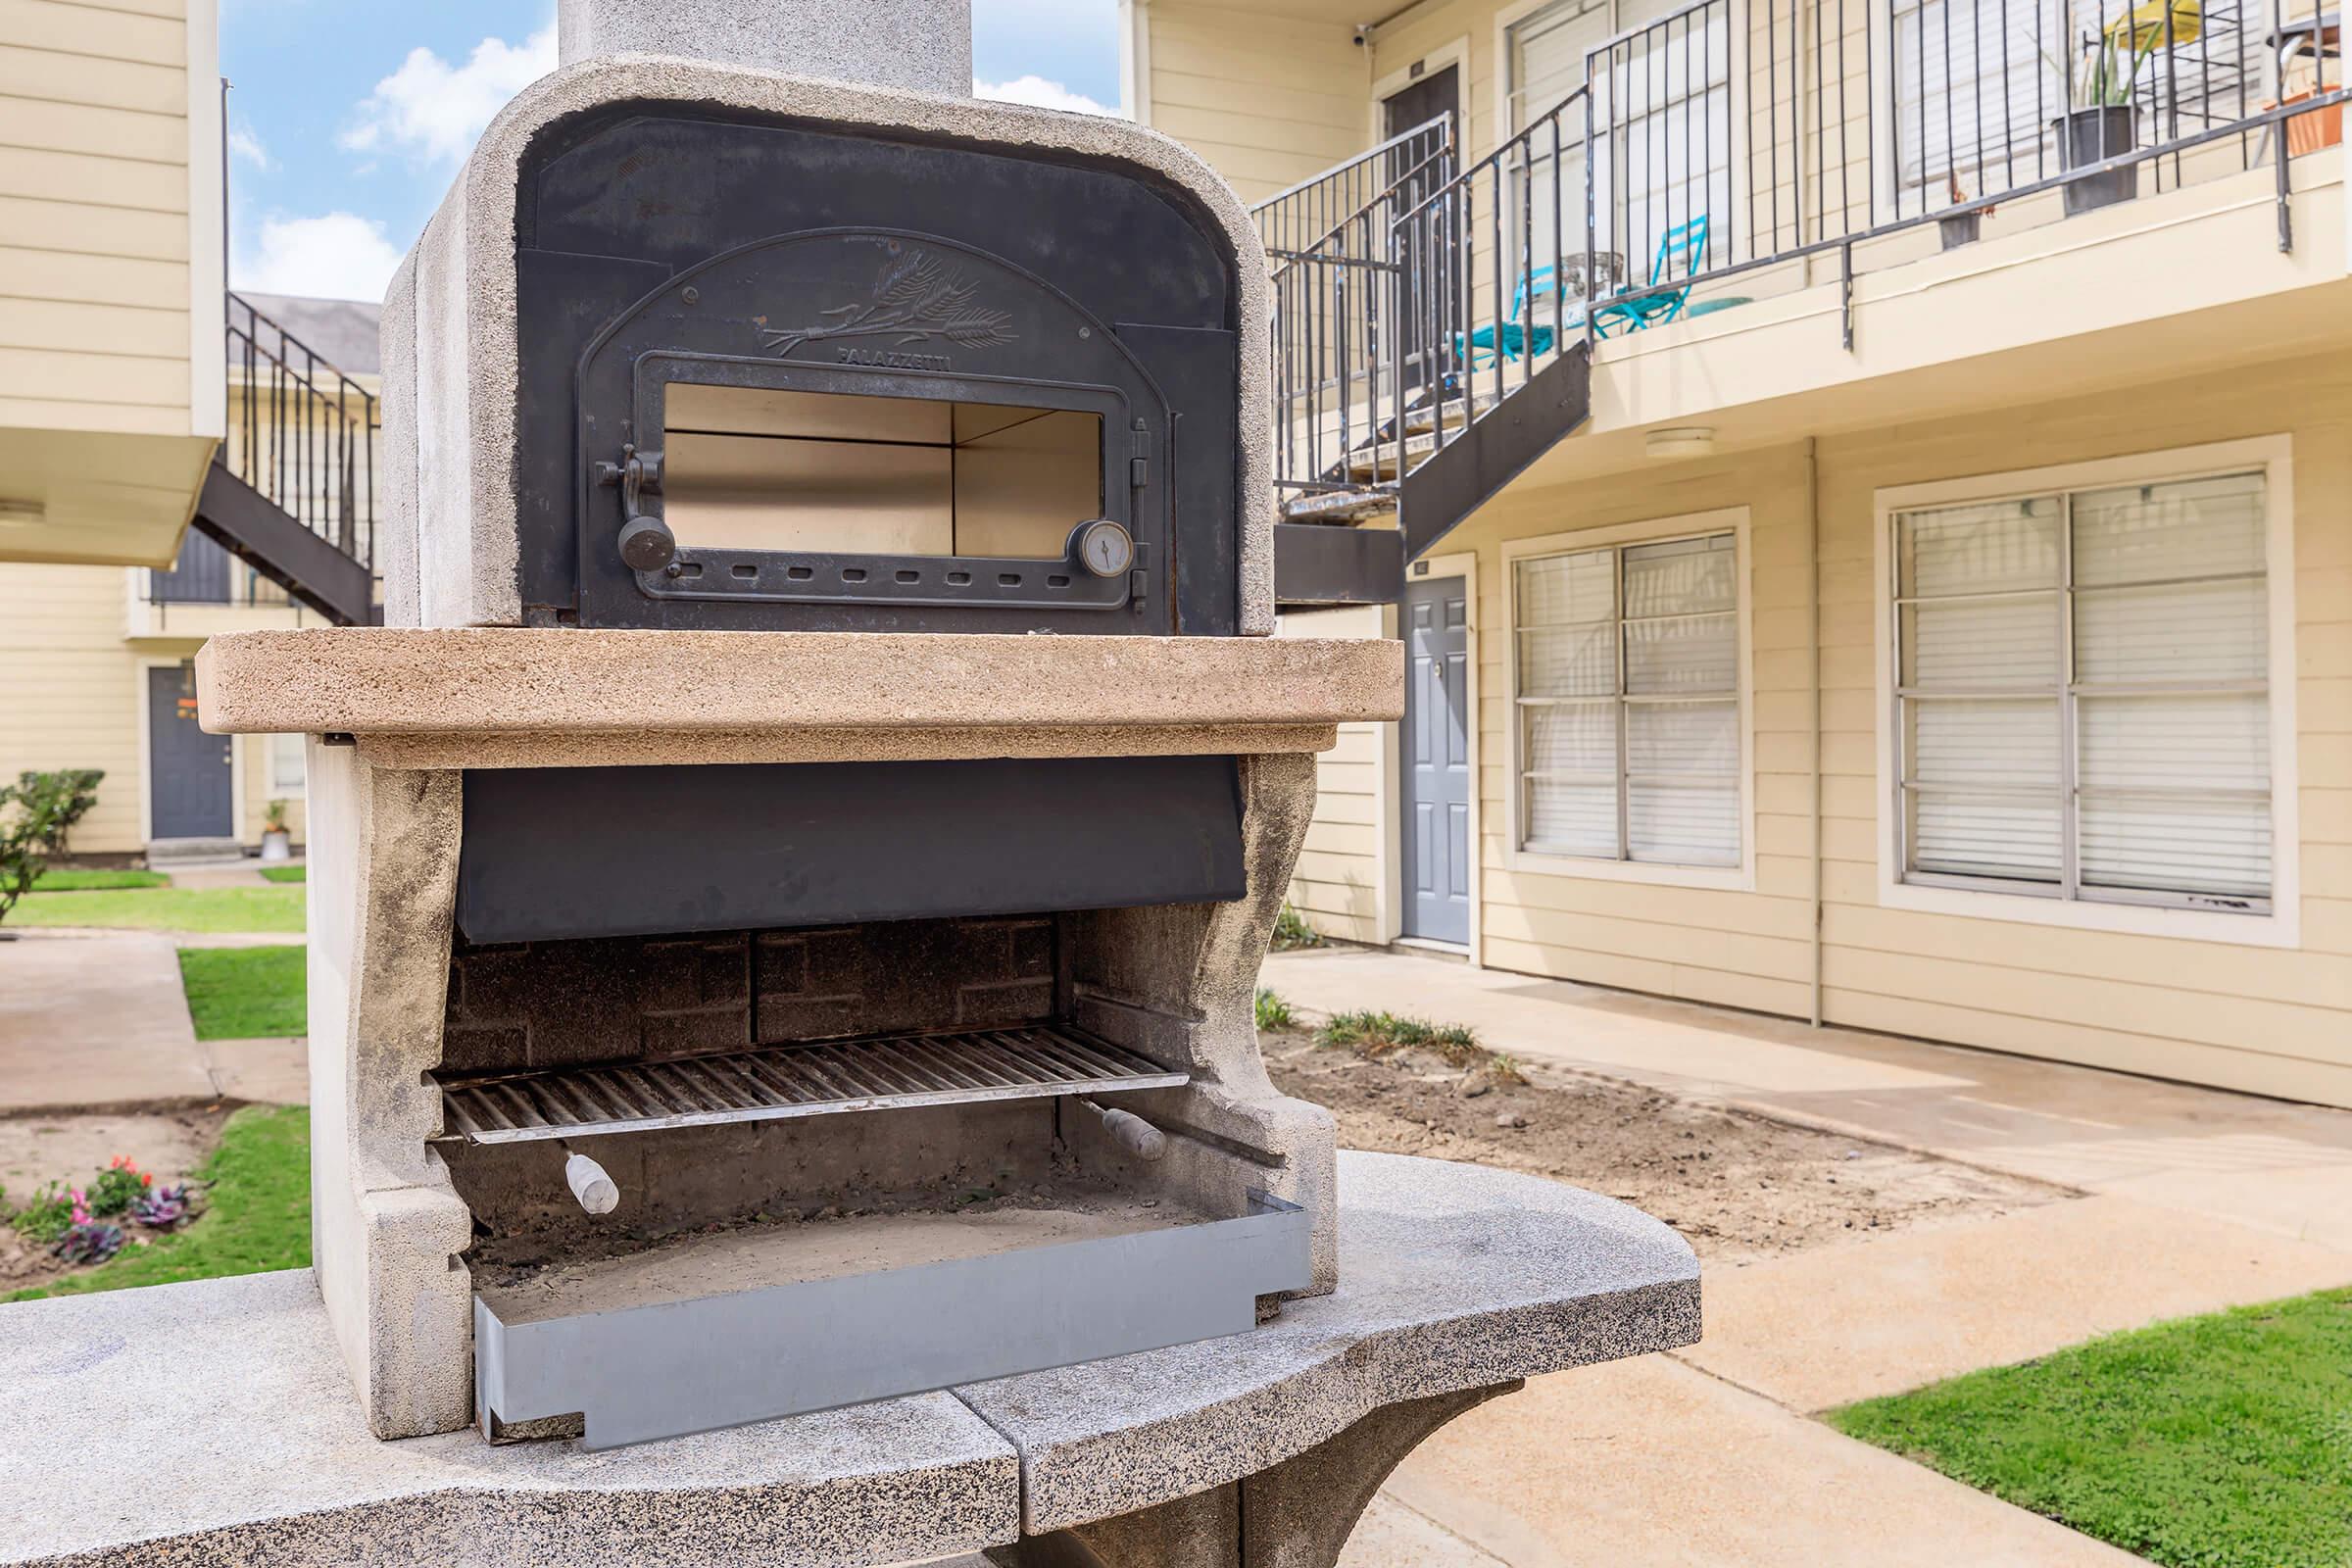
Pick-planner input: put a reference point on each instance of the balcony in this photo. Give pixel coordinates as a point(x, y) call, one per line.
point(205, 592)
point(1777, 216)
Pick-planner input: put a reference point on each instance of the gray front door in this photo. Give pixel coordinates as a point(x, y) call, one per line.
point(187, 770)
point(1435, 762)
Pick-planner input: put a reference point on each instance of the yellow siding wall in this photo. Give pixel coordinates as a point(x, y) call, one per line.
point(2267, 1019)
point(1337, 884)
point(94, 219)
point(69, 695)
point(1267, 101)
point(72, 693)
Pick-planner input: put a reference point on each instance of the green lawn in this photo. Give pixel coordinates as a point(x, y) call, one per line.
point(285, 873)
point(208, 909)
point(63, 880)
point(244, 993)
point(259, 1218)
point(2209, 1442)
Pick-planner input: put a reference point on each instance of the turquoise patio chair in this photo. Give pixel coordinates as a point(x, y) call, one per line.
point(1514, 338)
point(1682, 250)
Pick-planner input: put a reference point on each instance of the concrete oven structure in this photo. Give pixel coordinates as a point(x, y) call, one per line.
point(787, 884)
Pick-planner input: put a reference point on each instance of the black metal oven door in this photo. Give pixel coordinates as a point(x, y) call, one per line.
point(863, 430)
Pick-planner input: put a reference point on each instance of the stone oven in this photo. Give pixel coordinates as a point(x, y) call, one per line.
point(788, 879)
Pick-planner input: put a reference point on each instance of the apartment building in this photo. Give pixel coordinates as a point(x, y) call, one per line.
point(174, 459)
point(1866, 486)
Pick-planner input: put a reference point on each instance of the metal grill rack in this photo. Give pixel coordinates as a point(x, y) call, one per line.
point(811, 1078)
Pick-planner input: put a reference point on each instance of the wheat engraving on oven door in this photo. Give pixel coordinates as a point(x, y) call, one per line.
point(918, 298)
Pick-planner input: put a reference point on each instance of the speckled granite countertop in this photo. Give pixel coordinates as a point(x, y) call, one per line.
point(223, 1406)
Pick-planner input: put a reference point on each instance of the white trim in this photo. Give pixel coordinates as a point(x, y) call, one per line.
point(1135, 59)
point(1740, 878)
point(1509, 16)
point(1463, 564)
point(208, 227)
point(2282, 925)
point(1455, 52)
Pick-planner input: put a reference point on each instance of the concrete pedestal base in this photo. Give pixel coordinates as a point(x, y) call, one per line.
point(228, 1400)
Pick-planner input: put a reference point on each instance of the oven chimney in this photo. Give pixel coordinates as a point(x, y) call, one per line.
point(921, 45)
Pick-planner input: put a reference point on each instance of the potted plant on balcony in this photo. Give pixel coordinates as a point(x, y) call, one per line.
point(2104, 122)
point(277, 843)
point(1961, 228)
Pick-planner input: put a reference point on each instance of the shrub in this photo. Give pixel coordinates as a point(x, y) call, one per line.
point(45, 1218)
point(118, 1187)
point(166, 1208)
point(1291, 930)
point(1272, 1011)
point(88, 1241)
point(36, 812)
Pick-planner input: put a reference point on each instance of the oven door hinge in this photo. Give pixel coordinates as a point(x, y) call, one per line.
point(645, 542)
point(1139, 456)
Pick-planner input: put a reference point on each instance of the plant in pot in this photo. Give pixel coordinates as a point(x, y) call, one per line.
point(277, 843)
point(1961, 228)
point(2100, 81)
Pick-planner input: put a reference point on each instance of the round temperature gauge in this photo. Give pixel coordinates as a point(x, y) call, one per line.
point(1103, 547)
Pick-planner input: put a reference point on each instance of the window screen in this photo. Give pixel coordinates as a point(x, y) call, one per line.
point(1628, 703)
point(2082, 693)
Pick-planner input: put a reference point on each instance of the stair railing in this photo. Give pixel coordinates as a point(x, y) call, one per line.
point(1337, 335)
point(302, 432)
point(1499, 283)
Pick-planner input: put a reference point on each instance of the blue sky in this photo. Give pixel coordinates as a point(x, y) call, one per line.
point(348, 118)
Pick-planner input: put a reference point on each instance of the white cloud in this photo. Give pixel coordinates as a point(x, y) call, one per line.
point(338, 255)
point(436, 111)
point(1038, 91)
point(246, 145)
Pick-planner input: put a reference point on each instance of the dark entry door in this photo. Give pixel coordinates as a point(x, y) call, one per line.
point(1435, 762)
point(1424, 99)
point(188, 769)
point(1425, 247)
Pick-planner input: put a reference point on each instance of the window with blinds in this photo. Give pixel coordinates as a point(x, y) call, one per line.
point(2083, 693)
point(1628, 700)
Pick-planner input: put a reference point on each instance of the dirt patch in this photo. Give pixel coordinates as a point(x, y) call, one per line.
point(71, 1148)
point(1737, 1187)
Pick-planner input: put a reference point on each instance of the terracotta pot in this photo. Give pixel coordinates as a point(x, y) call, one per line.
point(2308, 134)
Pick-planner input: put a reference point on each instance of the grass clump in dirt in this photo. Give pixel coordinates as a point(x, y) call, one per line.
point(285, 873)
point(203, 910)
point(244, 993)
point(1273, 1012)
point(60, 879)
point(2211, 1441)
point(1373, 1035)
point(259, 1216)
point(1291, 930)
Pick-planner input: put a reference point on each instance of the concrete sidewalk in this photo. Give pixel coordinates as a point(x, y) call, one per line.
point(95, 1020)
point(98, 1018)
point(2195, 1199)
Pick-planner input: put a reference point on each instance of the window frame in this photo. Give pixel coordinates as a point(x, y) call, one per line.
point(2112, 909)
point(269, 758)
point(1740, 876)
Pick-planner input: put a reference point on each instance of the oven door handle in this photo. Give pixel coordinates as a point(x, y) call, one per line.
point(645, 542)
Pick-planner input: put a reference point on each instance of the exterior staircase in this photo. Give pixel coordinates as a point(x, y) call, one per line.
point(292, 492)
point(1394, 274)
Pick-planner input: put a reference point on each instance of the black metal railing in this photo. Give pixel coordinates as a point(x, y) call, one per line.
point(1722, 141)
point(1337, 341)
point(301, 431)
point(207, 575)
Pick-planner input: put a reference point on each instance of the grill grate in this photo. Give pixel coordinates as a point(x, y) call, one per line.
point(812, 1078)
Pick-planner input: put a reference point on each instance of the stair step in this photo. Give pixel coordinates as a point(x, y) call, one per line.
point(1339, 506)
point(183, 852)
